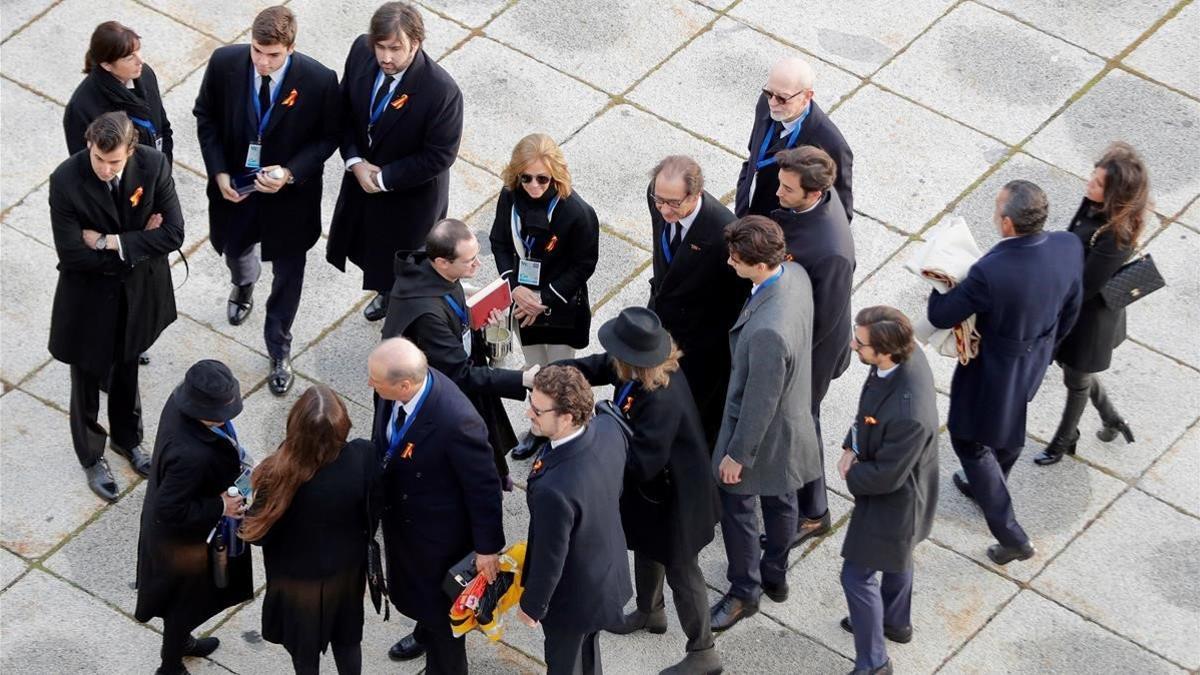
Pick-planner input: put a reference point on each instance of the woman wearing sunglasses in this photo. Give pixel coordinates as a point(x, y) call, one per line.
point(546, 240)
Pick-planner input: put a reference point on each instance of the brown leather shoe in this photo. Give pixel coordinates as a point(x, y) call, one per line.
point(729, 610)
point(812, 527)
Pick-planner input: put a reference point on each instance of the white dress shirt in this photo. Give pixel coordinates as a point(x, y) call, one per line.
point(568, 439)
point(408, 408)
point(391, 92)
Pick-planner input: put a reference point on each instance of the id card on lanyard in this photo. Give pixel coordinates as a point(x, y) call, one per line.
point(529, 272)
point(254, 152)
point(463, 320)
point(150, 129)
point(399, 434)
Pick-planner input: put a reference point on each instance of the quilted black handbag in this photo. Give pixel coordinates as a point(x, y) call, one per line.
point(1133, 281)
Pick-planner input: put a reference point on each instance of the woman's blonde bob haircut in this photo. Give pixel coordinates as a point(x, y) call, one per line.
point(529, 150)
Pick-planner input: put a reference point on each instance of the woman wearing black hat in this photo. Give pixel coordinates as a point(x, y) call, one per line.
point(181, 577)
point(669, 506)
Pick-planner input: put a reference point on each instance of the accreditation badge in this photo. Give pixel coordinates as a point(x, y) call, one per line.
point(466, 340)
point(158, 143)
point(529, 272)
point(254, 156)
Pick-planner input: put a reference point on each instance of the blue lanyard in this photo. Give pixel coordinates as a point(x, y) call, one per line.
point(378, 111)
point(398, 434)
point(763, 286)
point(458, 310)
point(145, 124)
point(666, 244)
point(516, 224)
point(263, 119)
point(623, 393)
point(791, 141)
point(229, 526)
point(231, 436)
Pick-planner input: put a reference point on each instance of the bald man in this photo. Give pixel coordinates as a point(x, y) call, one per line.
point(441, 495)
point(786, 117)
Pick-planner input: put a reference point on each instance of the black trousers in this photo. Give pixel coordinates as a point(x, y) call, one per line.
point(690, 594)
point(1081, 387)
point(444, 653)
point(124, 411)
point(749, 563)
point(987, 471)
point(287, 283)
point(571, 652)
point(175, 638)
point(347, 658)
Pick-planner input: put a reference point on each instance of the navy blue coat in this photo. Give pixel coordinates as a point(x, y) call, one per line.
point(1025, 293)
point(576, 572)
point(439, 503)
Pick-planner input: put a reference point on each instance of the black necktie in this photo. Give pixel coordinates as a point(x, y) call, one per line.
point(676, 239)
point(401, 415)
point(382, 91)
point(114, 190)
point(264, 97)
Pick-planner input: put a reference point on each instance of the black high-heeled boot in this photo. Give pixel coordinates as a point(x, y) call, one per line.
point(1057, 447)
point(1110, 431)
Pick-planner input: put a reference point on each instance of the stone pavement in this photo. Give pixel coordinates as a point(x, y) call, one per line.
point(942, 101)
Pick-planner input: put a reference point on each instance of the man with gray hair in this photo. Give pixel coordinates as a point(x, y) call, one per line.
point(786, 117)
point(1025, 294)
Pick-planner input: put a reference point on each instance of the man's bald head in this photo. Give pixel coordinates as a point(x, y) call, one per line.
point(790, 84)
point(396, 368)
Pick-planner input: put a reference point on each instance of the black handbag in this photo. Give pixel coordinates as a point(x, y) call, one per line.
point(459, 575)
point(376, 577)
point(1133, 281)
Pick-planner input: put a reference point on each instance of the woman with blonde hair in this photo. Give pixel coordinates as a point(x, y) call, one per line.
point(546, 240)
point(309, 514)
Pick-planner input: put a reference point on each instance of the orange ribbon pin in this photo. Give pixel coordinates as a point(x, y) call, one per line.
point(290, 100)
point(870, 420)
point(628, 404)
point(407, 454)
point(136, 197)
point(537, 466)
point(400, 101)
point(552, 243)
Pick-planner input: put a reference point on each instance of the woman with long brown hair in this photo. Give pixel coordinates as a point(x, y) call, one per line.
point(1109, 222)
point(309, 514)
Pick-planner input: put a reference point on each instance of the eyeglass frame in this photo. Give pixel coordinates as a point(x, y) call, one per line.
point(534, 408)
point(673, 203)
point(541, 178)
point(772, 96)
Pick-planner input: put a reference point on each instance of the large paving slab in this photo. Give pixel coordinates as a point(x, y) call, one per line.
point(11, 567)
point(1159, 56)
point(617, 189)
point(1102, 27)
point(874, 244)
point(1033, 635)
point(18, 13)
point(1155, 599)
point(1160, 318)
point(1115, 109)
point(327, 29)
point(76, 637)
point(954, 66)
point(26, 311)
point(609, 44)
point(712, 85)
point(919, 160)
point(860, 37)
point(25, 137)
point(1173, 477)
point(503, 106)
point(226, 24)
point(473, 13)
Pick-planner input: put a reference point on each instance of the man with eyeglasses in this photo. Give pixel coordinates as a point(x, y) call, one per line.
point(786, 117)
point(695, 294)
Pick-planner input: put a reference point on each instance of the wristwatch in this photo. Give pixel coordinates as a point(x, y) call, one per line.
point(102, 242)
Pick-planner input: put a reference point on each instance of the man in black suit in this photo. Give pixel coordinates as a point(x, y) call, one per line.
point(402, 117)
point(694, 292)
point(576, 573)
point(441, 494)
point(267, 118)
point(890, 464)
point(787, 117)
point(818, 239)
point(115, 217)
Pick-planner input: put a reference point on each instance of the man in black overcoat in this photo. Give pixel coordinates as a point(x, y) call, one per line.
point(115, 217)
point(268, 115)
point(422, 314)
point(818, 239)
point(197, 458)
point(694, 292)
point(576, 574)
point(890, 464)
point(787, 117)
point(441, 496)
point(402, 122)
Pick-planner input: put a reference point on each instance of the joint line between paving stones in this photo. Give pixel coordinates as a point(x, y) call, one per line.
point(717, 14)
point(188, 26)
point(31, 21)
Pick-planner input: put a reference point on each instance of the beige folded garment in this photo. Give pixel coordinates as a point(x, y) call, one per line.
point(942, 260)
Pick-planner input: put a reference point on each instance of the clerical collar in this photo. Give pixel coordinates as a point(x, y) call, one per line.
point(568, 439)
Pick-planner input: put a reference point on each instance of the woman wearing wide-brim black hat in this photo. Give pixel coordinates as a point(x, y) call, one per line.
point(669, 506)
point(196, 460)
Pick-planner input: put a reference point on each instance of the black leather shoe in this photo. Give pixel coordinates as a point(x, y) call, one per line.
point(703, 662)
point(652, 622)
point(282, 377)
point(241, 300)
point(144, 359)
point(1002, 555)
point(377, 308)
point(201, 647)
point(407, 648)
point(1053, 453)
point(960, 482)
point(898, 634)
point(776, 592)
point(885, 669)
point(171, 671)
point(136, 456)
point(729, 610)
point(528, 446)
point(101, 481)
point(1109, 432)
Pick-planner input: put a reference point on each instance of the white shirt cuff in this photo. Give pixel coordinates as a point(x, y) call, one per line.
point(352, 161)
point(120, 250)
point(379, 181)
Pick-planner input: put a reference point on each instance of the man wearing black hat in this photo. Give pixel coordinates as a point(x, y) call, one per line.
point(182, 575)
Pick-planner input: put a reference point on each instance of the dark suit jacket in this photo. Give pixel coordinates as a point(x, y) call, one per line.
point(89, 102)
point(1100, 328)
point(300, 136)
point(415, 141)
point(92, 284)
point(895, 482)
point(576, 572)
point(439, 503)
point(1025, 294)
point(669, 506)
point(820, 241)
point(817, 130)
point(698, 297)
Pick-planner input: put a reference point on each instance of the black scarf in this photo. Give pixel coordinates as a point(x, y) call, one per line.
point(120, 97)
point(534, 220)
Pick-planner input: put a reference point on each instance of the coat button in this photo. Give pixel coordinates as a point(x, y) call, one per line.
point(418, 474)
point(403, 497)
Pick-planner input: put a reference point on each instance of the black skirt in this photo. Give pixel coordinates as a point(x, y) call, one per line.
point(305, 615)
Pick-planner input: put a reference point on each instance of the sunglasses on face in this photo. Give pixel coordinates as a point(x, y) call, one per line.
point(541, 179)
point(780, 98)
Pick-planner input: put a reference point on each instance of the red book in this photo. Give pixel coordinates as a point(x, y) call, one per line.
point(495, 295)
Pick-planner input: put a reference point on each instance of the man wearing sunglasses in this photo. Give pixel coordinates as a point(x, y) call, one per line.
point(787, 117)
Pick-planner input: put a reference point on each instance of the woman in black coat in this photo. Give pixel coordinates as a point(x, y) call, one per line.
point(118, 80)
point(669, 506)
point(310, 516)
point(551, 252)
point(1108, 222)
